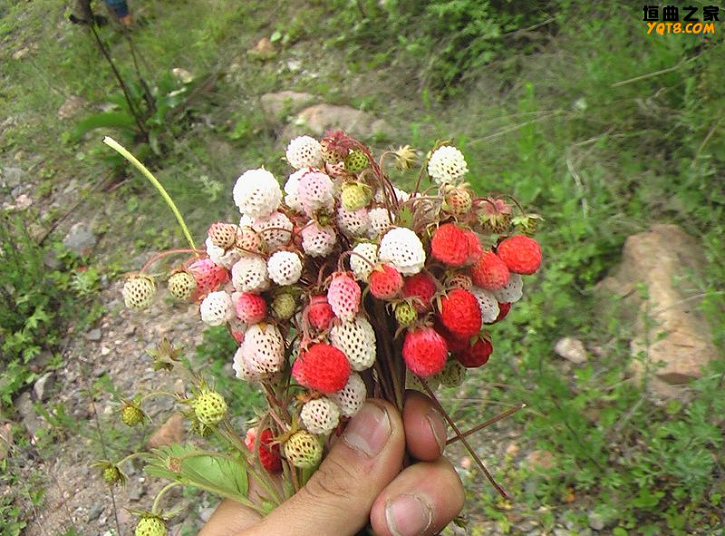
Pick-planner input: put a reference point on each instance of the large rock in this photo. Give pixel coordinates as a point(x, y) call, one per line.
point(320, 118)
point(669, 330)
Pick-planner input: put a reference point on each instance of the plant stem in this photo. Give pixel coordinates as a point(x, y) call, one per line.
point(486, 424)
point(157, 500)
point(153, 180)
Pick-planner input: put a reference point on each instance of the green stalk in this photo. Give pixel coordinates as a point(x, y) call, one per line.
point(153, 180)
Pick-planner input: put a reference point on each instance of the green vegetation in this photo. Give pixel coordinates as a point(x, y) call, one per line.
point(574, 109)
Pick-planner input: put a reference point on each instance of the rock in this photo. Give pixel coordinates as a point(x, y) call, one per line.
point(20, 54)
point(596, 521)
point(540, 460)
point(12, 177)
point(320, 118)
point(669, 329)
point(277, 106)
point(28, 416)
point(206, 513)
point(170, 433)
point(43, 385)
point(182, 75)
point(572, 350)
point(94, 335)
point(95, 512)
point(135, 489)
point(562, 532)
point(70, 108)
point(6, 440)
point(80, 239)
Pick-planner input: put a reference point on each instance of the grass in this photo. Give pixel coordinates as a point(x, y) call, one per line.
point(601, 129)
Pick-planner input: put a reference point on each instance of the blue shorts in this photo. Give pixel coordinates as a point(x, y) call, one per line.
point(119, 7)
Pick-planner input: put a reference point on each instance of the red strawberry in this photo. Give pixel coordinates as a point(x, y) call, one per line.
point(269, 453)
point(251, 308)
point(385, 283)
point(475, 249)
point(521, 254)
point(322, 368)
point(425, 352)
point(475, 355)
point(490, 272)
point(420, 288)
point(209, 277)
point(450, 245)
point(319, 313)
point(503, 311)
point(460, 313)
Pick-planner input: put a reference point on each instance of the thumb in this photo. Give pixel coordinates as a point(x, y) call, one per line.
point(338, 498)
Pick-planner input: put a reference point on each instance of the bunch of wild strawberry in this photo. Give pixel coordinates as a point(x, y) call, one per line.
point(340, 274)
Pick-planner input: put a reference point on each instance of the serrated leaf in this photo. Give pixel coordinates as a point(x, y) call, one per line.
point(221, 474)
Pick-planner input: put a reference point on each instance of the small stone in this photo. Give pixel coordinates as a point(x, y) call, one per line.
point(205, 514)
point(135, 489)
point(95, 512)
point(512, 450)
point(263, 50)
point(572, 350)
point(596, 521)
point(170, 433)
point(105, 350)
point(6, 440)
point(80, 239)
point(20, 54)
point(30, 419)
point(43, 385)
point(562, 532)
point(182, 75)
point(94, 335)
point(22, 202)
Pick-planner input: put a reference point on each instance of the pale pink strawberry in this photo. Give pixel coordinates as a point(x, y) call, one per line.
point(353, 224)
point(209, 277)
point(343, 295)
point(251, 308)
point(318, 240)
point(263, 349)
point(275, 230)
point(316, 192)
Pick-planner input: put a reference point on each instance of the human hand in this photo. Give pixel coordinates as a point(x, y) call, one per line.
point(363, 480)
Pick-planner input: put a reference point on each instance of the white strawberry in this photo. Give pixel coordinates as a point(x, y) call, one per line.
point(512, 292)
point(284, 268)
point(263, 349)
point(320, 416)
point(356, 339)
point(352, 397)
point(318, 241)
point(353, 224)
point(275, 230)
point(304, 151)
point(257, 193)
point(488, 304)
point(217, 308)
point(249, 274)
point(363, 260)
point(402, 248)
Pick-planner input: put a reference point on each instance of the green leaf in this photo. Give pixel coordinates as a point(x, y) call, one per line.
point(122, 120)
point(220, 474)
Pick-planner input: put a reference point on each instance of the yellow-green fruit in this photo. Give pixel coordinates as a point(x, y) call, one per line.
point(458, 200)
point(303, 450)
point(356, 161)
point(182, 285)
point(132, 415)
point(138, 291)
point(210, 408)
point(284, 306)
point(151, 526)
point(355, 196)
point(112, 475)
point(405, 314)
point(413, 382)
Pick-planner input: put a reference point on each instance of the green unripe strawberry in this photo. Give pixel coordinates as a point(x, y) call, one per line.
point(355, 196)
point(112, 475)
point(405, 314)
point(182, 285)
point(151, 525)
point(138, 291)
point(356, 161)
point(303, 450)
point(453, 375)
point(284, 306)
point(210, 408)
point(132, 415)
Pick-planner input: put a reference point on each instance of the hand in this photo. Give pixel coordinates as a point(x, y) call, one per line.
point(361, 481)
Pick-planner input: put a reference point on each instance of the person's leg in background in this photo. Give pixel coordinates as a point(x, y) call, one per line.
point(120, 9)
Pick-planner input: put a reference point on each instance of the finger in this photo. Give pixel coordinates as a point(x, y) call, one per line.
point(229, 519)
point(337, 499)
point(425, 429)
point(421, 501)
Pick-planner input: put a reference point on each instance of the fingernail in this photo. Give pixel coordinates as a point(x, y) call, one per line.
point(408, 515)
point(438, 427)
point(369, 430)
